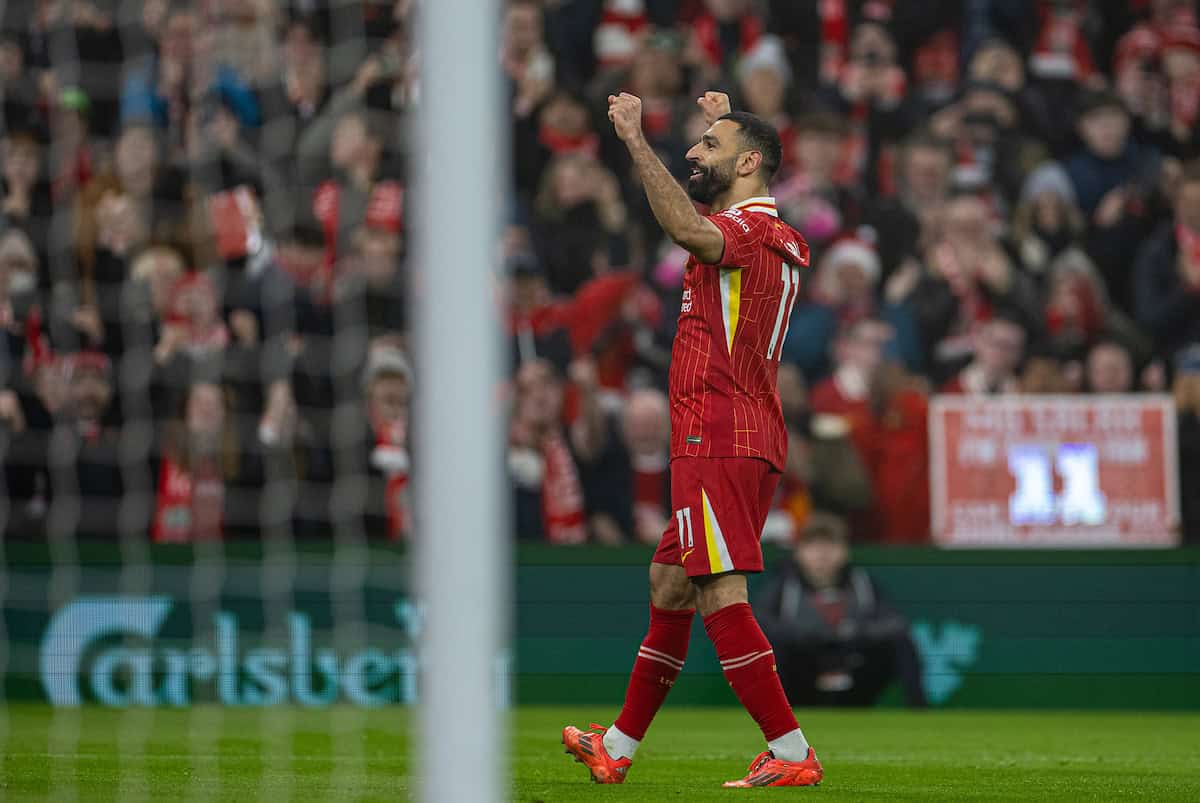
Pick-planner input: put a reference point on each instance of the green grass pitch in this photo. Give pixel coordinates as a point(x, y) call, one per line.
point(215, 754)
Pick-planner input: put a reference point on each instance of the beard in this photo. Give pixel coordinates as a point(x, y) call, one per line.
point(710, 182)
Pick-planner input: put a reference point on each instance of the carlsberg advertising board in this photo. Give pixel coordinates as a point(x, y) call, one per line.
point(135, 669)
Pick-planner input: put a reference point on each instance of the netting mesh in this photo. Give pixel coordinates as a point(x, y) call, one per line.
point(205, 346)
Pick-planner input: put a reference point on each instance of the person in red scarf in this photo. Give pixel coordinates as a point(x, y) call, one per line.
point(197, 455)
point(724, 32)
point(884, 410)
point(823, 471)
point(1079, 312)
point(543, 454)
point(968, 280)
point(388, 387)
point(536, 324)
point(564, 127)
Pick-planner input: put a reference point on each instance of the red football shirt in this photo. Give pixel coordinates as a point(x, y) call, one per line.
point(732, 323)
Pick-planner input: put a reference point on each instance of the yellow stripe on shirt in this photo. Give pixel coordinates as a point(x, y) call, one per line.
point(731, 302)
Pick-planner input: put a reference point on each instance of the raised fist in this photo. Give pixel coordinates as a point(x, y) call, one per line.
point(714, 105)
point(625, 111)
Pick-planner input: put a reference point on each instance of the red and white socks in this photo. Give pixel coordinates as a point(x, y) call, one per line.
point(746, 659)
point(749, 665)
point(659, 660)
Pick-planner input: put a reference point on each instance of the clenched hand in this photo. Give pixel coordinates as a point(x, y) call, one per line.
point(625, 111)
point(714, 105)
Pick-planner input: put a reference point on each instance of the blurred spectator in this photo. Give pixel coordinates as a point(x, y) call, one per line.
point(534, 323)
point(1109, 368)
point(994, 152)
point(1044, 371)
point(627, 482)
point(823, 471)
point(297, 99)
point(900, 462)
point(763, 78)
point(837, 640)
point(524, 56)
point(160, 91)
point(996, 62)
point(201, 463)
point(844, 291)
point(561, 126)
point(969, 279)
point(548, 494)
point(871, 92)
point(1187, 404)
point(656, 76)
point(884, 411)
point(1109, 159)
point(810, 194)
point(146, 300)
point(999, 348)
point(362, 434)
point(358, 190)
point(905, 223)
point(363, 309)
point(26, 192)
point(72, 156)
point(1046, 221)
point(388, 388)
point(82, 462)
point(1156, 67)
point(221, 156)
point(578, 222)
point(857, 356)
point(1078, 309)
point(19, 280)
point(646, 428)
point(1117, 183)
point(144, 173)
point(16, 81)
point(723, 32)
point(1167, 271)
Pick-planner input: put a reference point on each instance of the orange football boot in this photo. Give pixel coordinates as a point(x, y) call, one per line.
point(766, 770)
point(588, 749)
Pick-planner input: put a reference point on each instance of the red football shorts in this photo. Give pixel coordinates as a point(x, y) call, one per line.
point(720, 505)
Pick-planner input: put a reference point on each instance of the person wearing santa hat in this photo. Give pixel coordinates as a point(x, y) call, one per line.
point(842, 294)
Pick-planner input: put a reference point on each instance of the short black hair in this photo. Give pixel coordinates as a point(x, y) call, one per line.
point(759, 135)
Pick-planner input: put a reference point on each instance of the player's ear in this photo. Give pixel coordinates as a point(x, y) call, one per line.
point(749, 162)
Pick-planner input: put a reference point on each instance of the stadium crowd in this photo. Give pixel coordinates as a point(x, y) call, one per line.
point(205, 279)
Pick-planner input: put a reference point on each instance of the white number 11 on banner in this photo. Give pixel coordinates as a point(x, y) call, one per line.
point(1035, 502)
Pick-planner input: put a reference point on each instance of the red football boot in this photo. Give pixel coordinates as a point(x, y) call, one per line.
point(766, 770)
point(588, 749)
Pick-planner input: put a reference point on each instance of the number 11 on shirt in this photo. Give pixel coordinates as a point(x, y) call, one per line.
point(791, 288)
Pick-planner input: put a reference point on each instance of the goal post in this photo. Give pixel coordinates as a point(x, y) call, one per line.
point(462, 542)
